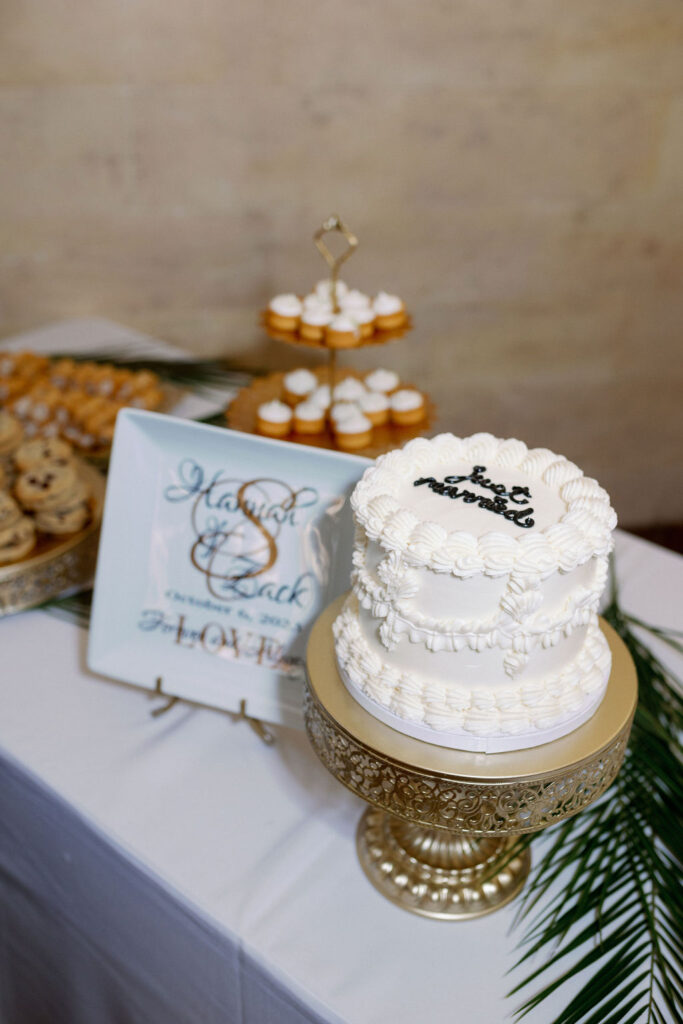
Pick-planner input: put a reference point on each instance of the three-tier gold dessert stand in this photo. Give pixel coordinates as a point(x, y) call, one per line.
point(441, 835)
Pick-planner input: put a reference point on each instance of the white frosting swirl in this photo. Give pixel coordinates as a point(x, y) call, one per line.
point(386, 305)
point(286, 305)
point(382, 380)
point(300, 382)
point(406, 399)
point(275, 412)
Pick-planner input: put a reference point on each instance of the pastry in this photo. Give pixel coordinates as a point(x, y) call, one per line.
point(478, 570)
point(375, 406)
point(349, 390)
point(11, 433)
point(46, 485)
point(353, 432)
point(40, 450)
point(390, 312)
point(284, 312)
point(324, 291)
point(342, 332)
point(385, 381)
point(17, 540)
point(321, 396)
point(274, 419)
point(298, 385)
point(365, 321)
point(407, 407)
point(314, 320)
point(353, 301)
point(343, 411)
point(309, 418)
point(10, 512)
point(69, 519)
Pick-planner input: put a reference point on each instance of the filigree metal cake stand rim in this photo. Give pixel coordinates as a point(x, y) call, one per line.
point(440, 819)
point(61, 566)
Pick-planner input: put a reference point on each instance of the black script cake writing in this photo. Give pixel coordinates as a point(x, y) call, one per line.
point(498, 504)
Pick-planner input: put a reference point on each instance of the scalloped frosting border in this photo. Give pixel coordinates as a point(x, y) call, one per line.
point(583, 531)
point(509, 711)
point(521, 628)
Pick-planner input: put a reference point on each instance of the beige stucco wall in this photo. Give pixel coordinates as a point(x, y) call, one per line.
point(513, 169)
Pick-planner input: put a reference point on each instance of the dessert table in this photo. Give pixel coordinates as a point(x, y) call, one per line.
point(176, 869)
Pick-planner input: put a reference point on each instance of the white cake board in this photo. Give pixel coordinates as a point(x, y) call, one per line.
point(462, 740)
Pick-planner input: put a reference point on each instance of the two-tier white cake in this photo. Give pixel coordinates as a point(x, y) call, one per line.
point(477, 571)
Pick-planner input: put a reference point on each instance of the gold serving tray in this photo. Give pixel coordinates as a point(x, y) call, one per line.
point(376, 338)
point(57, 566)
point(241, 415)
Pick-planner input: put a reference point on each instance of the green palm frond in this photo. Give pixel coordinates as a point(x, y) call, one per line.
point(74, 608)
point(189, 373)
point(606, 897)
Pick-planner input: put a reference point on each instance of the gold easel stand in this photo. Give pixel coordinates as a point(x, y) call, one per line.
point(435, 838)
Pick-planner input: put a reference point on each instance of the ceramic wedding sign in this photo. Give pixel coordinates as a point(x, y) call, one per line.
point(218, 552)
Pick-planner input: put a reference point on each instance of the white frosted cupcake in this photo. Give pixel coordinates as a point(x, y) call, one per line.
point(342, 332)
point(365, 318)
point(309, 418)
point(349, 390)
point(375, 405)
point(343, 411)
point(321, 396)
point(354, 300)
point(389, 311)
point(407, 407)
point(314, 320)
point(315, 301)
point(385, 381)
point(274, 419)
point(323, 290)
point(298, 385)
point(284, 312)
point(353, 432)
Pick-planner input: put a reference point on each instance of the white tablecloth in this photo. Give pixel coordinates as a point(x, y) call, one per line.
point(175, 869)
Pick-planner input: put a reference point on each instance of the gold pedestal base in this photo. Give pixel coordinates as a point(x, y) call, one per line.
point(442, 822)
point(437, 873)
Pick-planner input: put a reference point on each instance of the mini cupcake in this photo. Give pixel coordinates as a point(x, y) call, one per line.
point(342, 332)
point(349, 390)
point(315, 301)
point(298, 385)
point(342, 411)
point(284, 312)
point(407, 407)
point(353, 301)
point(365, 320)
point(375, 405)
point(274, 419)
point(309, 418)
point(353, 432)
point(389, 311)
point(385, 381)
point(323, 290)
point(321, 396)
point(314, 320)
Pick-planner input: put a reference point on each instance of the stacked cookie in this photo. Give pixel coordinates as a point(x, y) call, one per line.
point(341, 318)
point(17, 531)
point(41, 491)
point(76, 401)
point(352, 411)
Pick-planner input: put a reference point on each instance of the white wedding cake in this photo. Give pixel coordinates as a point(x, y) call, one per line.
point(477, 571)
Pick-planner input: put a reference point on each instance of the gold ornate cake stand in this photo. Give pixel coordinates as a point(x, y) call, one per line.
point(57, 566)
point(439, 837)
